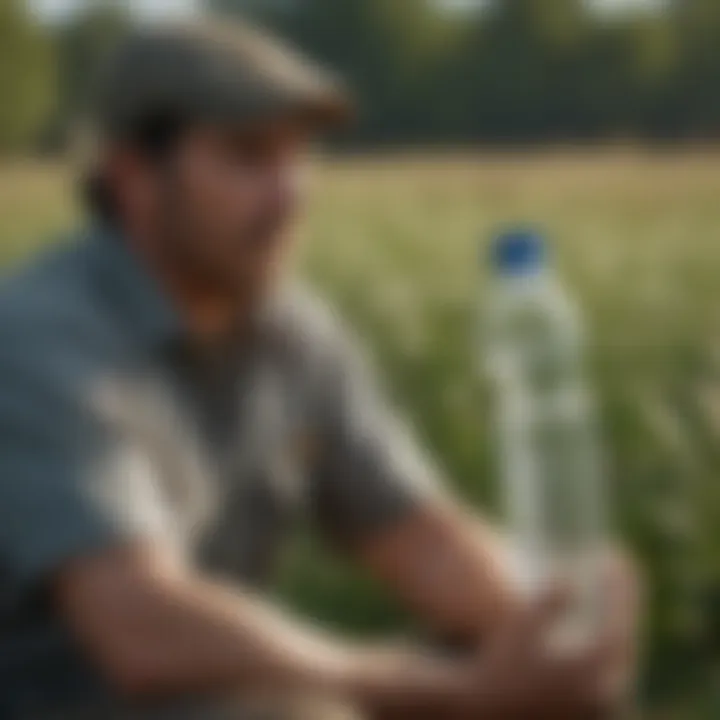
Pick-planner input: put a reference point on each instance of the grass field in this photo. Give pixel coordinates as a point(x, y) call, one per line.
point(395, 242)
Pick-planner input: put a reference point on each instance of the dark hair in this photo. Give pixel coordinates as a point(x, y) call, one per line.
point(154, 138)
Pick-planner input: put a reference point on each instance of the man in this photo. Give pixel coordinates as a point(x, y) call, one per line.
point(169, 407)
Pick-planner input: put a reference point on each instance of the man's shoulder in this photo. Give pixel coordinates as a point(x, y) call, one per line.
point(47, 285)
point(48, 312)
point(309, 328)
point(320, 351)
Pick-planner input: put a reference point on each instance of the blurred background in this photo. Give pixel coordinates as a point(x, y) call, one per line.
point(597, 120)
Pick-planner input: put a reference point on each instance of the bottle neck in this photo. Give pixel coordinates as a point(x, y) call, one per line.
point(532, 279)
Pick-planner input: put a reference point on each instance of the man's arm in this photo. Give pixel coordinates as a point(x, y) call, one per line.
point(155, 628)
point(158, 629)
point(381, 496)
point(449, 568)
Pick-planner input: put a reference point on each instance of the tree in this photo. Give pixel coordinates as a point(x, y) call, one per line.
point(82, 44)
point(26, 77)
point(695, 89)
point(513, 70)
point(388, 51)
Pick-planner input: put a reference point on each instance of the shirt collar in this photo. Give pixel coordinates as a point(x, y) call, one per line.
point(134, 294)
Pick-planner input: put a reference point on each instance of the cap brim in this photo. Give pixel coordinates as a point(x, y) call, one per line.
point(317, 112)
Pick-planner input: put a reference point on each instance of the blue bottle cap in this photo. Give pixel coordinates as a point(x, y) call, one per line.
point(519, 251)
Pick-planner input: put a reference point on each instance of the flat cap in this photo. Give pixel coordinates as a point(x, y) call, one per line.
point(207, 71)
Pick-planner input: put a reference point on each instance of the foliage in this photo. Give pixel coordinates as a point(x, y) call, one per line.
point(82, 45)
point(26, 77)
point(396, 246)
point(521, 70)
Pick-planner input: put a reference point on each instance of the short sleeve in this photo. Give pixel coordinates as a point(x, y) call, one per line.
point(372, 473)
point(69, 485)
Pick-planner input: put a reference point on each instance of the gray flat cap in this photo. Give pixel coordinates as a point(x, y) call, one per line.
point(208, 71)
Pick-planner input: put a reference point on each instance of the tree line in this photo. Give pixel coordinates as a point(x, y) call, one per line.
point(511, 71)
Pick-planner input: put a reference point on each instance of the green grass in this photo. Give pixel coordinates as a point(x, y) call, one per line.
point(396, 242)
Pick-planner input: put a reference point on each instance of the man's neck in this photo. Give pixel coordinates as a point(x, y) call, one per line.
point(211, 313)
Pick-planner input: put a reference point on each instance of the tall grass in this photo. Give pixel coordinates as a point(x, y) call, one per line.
point(396, 243)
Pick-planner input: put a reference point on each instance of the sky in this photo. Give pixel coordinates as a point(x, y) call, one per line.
point(57, 9)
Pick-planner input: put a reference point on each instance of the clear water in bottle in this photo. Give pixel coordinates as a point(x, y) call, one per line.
point(550, 464)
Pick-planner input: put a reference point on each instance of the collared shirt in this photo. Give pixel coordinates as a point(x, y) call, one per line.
point(114, 428)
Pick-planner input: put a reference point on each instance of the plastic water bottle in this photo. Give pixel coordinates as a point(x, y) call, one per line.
point(550, 463)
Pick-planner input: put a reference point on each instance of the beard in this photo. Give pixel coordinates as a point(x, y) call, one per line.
point(241, 264)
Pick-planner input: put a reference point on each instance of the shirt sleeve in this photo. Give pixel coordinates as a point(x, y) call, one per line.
point(69, 485)
point(372, 473)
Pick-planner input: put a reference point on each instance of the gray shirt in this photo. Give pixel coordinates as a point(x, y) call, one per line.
point(113, 427)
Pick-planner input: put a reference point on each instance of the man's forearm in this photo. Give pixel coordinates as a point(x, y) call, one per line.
point(161, 634)
point(260, 647)
point(451, 569)
point(159, 629)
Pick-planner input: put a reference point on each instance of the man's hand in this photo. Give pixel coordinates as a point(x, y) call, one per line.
point(520, 676)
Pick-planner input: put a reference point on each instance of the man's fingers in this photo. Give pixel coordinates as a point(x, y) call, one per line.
point(581, 680)
point(606, 672)
point(543, 613)
point(625, 586)
point(624, 613)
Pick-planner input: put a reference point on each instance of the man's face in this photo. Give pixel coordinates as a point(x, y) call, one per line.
point(226, 200)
